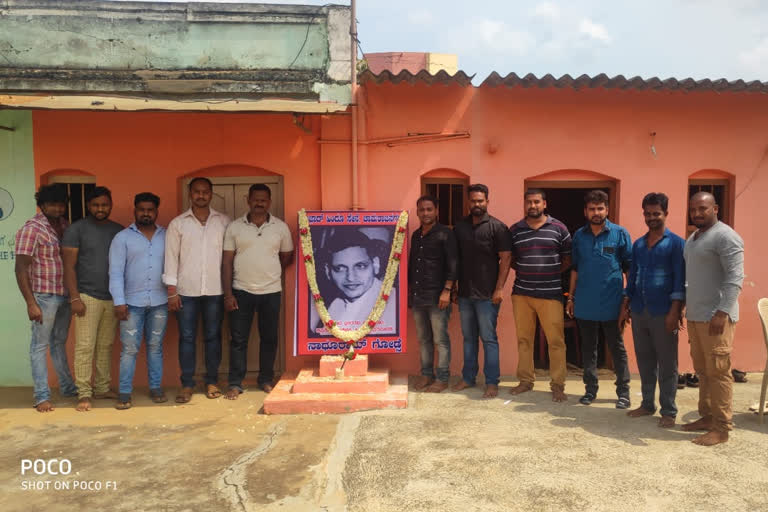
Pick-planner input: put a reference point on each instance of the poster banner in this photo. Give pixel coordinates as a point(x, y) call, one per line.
point(351, 251)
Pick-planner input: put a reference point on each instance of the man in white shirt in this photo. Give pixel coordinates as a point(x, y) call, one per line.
point(352, 267)
point(193, 246)
point(257, 249)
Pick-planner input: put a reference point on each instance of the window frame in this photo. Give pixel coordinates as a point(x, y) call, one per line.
point(464, 182)
point(69, 181)
point(727, 207)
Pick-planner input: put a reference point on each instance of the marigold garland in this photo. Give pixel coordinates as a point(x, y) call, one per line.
point(393, 264)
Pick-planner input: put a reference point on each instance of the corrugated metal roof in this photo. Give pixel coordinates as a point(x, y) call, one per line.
point(567, 81)
point(441, 77)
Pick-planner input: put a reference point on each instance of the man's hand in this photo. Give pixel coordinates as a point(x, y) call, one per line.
point(121, 312)
point(717, 323)
point(174, 303)
point(77, 307)
point(624, 318)
point(230, 303)
point(672, 321)
point(498, 296)
point(445, 299)
point(34, 312)
point(569, 309)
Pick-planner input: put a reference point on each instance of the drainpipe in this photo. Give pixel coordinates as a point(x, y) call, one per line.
point(353, 81)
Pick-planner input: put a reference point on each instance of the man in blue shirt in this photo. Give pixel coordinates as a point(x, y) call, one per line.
point(654, 299)
point(602, 251)
point(136, 260)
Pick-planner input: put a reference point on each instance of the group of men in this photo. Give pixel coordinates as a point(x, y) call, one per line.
point(109, 278)
point(667, 278)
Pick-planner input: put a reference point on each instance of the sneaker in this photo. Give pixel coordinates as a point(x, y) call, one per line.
point(691, 380)
point(681, 380)
point(623, 403)
point(587, 399)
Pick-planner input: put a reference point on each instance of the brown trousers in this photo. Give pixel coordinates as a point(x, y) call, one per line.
point(550, 314)
point(712, 361)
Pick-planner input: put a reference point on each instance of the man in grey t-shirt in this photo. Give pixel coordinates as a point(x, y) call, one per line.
point(714, 269)
point(85, 251)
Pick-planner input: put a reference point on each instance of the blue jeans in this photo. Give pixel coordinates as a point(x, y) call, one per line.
point(432, 329)
point(267, 306)
point(211, 308)
point(478, 318)
point(149, 322)
point(52, 332)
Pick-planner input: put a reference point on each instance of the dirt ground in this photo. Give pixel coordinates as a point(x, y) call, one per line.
point(453, 451)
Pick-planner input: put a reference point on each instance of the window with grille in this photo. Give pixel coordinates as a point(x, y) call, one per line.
point(78, 188)
point(451, 193)
point(722, 192)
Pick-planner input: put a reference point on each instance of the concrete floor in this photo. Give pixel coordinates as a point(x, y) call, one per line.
point(453, 451)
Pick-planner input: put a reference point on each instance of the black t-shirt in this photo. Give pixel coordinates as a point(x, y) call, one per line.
point(432, 262)
point(479, 248)
point(92, 240)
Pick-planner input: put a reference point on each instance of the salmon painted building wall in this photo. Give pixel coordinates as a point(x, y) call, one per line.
point(500, 136)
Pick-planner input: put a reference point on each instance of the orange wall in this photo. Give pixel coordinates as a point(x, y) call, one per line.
point(516, 134)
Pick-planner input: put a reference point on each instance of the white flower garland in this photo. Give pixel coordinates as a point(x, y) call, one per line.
point(393, 264)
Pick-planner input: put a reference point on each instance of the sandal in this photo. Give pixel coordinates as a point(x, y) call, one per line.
point(212, 391)
point(121, 406)
point(184, 396)
point(623, 403)
point(158, 396)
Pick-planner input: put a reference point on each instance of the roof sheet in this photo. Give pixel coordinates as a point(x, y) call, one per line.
point(567, 81)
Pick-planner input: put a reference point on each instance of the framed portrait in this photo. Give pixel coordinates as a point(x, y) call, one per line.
point(351, 251)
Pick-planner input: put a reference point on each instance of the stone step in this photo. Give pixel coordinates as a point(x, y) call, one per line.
point(282, 401)
point(309, 381)
point(357, 367)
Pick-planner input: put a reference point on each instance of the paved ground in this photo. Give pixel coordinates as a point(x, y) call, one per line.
point(453, 451)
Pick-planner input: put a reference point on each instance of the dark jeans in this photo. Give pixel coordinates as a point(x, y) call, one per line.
point(590, 330)
point(656, 351)
point(478, 318)
point(267, 306)
point(432, 328)
point(211, 308)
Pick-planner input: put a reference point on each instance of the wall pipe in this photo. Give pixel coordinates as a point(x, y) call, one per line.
point(353, 81)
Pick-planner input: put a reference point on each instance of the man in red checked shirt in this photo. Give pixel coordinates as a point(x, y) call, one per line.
point(40, 275)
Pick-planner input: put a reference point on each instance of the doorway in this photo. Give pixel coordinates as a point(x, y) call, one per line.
point(230, 195)
point(565, 202)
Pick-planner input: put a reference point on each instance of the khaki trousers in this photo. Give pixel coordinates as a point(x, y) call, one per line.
point(550, 315)
point(712, 361)
point(94, 334)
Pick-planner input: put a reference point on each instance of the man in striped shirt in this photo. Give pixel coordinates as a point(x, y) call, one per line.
point(541, 251)
point(40, 276)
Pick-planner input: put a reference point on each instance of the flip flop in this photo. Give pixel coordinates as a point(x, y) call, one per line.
point(212, 391)
point(184, 396)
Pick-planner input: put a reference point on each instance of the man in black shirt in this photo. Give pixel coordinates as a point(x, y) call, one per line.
point(484, 258)
point(431, 274)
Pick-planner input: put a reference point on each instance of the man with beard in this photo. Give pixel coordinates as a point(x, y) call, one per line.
point(136, 259)
point(85, 250)
point(654, 299)
point(714, 259)
point(431, 274)
point(193, 246)
point(40, 276)
point(541, 251)
point(257, 248)
point(484, 258)
point(602, 251)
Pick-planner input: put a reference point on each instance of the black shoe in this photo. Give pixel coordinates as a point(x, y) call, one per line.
point(623, 403)
point(691, 380)
point(739, 376)
point(681, 379)
point(587, 399)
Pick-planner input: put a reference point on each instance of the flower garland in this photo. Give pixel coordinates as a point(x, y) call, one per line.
point(395, 254)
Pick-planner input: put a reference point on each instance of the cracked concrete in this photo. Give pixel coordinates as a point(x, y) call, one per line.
point(453, 451)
